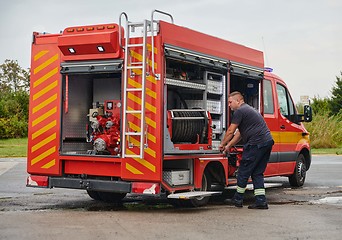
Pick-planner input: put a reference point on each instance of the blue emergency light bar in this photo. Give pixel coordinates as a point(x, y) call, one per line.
point(268, 69)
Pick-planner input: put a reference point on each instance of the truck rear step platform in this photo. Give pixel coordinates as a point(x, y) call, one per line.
point(190, 195)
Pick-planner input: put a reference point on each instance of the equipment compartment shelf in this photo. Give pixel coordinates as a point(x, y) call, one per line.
point(185, 83)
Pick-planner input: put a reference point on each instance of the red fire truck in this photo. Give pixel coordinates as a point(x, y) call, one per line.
point(140, 108)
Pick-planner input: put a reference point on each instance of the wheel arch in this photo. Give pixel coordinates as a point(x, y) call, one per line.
point(307, 155)
point(217, 172)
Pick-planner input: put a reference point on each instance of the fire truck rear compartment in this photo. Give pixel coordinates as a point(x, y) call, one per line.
point(83, 94)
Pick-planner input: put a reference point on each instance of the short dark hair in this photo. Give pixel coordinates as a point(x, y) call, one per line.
point(236, 93)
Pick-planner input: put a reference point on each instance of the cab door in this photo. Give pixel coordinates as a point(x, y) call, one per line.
point(270, 116)
point(289, 130)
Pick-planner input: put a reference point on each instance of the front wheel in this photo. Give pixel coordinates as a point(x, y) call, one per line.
point(297, 179)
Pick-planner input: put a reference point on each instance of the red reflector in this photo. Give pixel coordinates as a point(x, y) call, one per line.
point(145, 188)
point(37, 181)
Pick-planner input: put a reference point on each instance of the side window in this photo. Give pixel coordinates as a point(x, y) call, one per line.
point(282, 99)
point(287, 108)
point(268, 97)
point(291, 106)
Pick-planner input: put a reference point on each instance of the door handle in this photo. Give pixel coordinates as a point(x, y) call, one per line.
point(282, 127)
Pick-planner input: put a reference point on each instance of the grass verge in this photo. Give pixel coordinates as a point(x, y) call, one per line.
point(16, 147)
point(337, 151)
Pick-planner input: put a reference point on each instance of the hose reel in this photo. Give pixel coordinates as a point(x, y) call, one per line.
point(189, 125)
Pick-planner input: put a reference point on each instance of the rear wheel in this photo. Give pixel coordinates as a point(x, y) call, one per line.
point(111, 197)
point(297, 179)
point(94, 195)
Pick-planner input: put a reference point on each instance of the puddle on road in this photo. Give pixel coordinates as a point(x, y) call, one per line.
point(329, 201)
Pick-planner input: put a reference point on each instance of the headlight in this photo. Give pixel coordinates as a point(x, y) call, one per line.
point(100, 145)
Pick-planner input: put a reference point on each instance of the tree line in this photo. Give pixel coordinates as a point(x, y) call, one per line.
point(326, 126)
point(325, 129)
point(14, 100)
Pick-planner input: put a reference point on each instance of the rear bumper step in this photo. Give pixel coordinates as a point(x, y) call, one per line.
point(191, 195)
point(90, 184)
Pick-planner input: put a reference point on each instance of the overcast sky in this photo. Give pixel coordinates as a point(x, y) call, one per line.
point(302, 39)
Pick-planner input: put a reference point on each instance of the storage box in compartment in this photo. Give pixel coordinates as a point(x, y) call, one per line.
point(215, 87)
point(215, 145)
point(212, 105)
point(177, 177)
point(216, 126)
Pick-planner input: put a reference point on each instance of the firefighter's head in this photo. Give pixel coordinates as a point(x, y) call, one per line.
point(235, 100)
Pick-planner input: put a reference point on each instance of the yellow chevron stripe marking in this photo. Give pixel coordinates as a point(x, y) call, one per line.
point(44, 129)
point(44, 116)
point(49, 164)
point(45, 90)
point(138, 100)
point(46, 102)
point(139, 58)
point(40, 54)
point(149, 92)
point(44, 142)
point(132, 169)
point(143, 162)
point(149, 48)
point(45, 77)
point(147, 150)
point(148, 121)
point(151, 79)
point(137, 129)
point(43, 155)
point(45, 64)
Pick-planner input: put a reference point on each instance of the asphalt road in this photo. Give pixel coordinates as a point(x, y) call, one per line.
point(311, 212)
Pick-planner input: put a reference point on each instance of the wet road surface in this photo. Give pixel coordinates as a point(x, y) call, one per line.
point(311, 212)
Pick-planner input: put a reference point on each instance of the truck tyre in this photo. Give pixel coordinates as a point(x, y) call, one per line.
point(297, 179)
point(94, 195)
point(206, 184)
point(199, 201)
point(110, 197)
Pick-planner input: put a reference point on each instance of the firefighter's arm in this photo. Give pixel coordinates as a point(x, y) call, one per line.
point(234, 141)
point(228, 136)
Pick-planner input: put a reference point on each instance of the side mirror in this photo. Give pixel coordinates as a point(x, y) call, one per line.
point(307, 113)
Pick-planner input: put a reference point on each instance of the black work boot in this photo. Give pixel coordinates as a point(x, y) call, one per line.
point(260, 203)
point(235, 202)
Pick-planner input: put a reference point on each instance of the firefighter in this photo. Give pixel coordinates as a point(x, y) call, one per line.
point(248, 124)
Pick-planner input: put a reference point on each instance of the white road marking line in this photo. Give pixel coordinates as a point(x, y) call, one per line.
point(5, 166)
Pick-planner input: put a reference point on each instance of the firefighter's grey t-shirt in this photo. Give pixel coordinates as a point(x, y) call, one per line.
point(252, 126)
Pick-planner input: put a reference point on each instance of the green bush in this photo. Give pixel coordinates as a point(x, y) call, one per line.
point(13, 114)
point(13, 127)
point(325, 131)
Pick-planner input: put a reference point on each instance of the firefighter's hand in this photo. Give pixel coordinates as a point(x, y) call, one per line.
point(226, 149)
point(221, 147)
